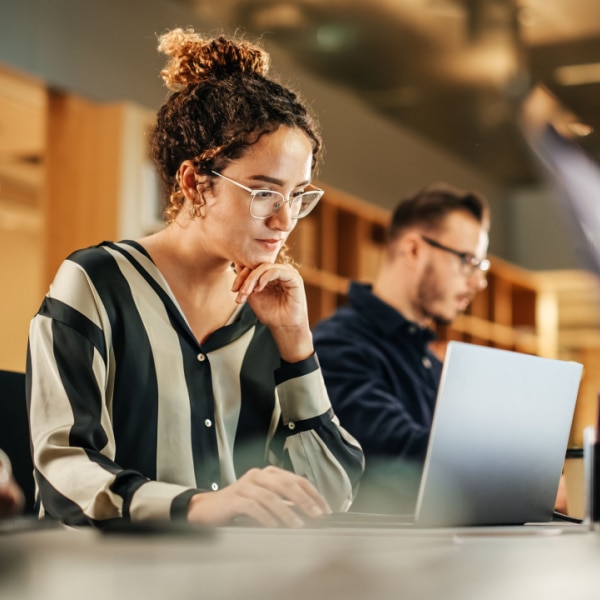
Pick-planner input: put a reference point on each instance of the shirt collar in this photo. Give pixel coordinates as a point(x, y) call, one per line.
point(385, 319)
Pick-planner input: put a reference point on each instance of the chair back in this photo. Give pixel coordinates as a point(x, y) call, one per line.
point(14, 433)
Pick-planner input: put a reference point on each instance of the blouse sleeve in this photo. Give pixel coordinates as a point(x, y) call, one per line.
point(73, 444)
point(315, 444)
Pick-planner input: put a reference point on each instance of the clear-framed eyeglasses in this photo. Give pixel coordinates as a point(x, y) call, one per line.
point(265, 203)
point(469, 263)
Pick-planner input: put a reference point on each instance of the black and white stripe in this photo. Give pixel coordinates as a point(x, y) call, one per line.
point(130, 416)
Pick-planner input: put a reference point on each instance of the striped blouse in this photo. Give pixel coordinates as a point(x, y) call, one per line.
point(130, 416)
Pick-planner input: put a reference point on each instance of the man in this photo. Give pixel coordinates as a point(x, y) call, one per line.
point(380, 371)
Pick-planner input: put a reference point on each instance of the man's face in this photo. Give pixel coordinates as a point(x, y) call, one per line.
point(446, 286)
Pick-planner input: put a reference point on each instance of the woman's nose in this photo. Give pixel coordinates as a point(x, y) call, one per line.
point(282, 219)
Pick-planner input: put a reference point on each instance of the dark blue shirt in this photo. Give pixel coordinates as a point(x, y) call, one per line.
point(381, 376)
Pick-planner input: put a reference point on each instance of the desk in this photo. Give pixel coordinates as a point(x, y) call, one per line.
point(249, 563)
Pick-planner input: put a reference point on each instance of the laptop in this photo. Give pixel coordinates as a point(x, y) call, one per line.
point(498, 439)
point(497, 445)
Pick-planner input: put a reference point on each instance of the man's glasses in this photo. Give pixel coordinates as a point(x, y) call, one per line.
point(265, 203)
point(468, 262)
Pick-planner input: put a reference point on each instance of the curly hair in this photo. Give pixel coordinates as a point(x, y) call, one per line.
point(221, 103)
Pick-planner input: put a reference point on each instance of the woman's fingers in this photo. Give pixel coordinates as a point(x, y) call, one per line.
point(271, 496)
point(286, 495)
point(247, 280)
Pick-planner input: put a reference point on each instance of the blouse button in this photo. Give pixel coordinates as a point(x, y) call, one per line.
point(426, 362)
point(412, 329)
point(201, 357)
point(292, 425)
point(208, 422)
point(214, 486)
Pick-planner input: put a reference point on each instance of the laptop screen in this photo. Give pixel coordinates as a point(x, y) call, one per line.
point(498, 439)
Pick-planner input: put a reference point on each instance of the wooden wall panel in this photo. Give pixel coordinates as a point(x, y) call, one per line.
point(84, 174)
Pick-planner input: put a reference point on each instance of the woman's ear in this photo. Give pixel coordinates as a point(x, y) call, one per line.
point(189, 180)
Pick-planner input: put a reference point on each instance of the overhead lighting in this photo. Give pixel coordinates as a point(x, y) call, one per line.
point(580, 129)
point(578, 74)
point(335, 37)
point(541, 108)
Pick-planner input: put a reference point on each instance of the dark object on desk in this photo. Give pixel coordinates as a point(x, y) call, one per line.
point(14, 433)
point(595, 496)
point(155, 527)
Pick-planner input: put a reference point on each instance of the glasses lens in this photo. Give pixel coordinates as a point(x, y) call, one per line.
point(265, 203)
point(305, 202)
point(473, 265)
point(484, 265)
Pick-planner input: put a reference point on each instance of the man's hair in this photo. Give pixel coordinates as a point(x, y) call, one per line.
point(429, 207)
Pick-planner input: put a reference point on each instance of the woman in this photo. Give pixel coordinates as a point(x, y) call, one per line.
point(175, 376)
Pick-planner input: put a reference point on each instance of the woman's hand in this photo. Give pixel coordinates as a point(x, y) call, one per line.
point(276, 294)
point(271, 496)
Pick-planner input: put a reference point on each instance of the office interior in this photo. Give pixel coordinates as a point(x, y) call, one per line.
point(78, 86)
point(407, 92)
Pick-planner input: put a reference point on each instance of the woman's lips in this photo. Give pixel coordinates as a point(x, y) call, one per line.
point(271, 245)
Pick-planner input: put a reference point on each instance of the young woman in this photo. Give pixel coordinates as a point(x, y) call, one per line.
point(175, 376)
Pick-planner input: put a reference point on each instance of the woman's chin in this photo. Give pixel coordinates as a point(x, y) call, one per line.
point(255, 261)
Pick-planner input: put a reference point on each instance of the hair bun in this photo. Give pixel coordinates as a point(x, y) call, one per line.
point(194, 59)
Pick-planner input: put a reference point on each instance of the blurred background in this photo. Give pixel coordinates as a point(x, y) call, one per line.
point(407, 92)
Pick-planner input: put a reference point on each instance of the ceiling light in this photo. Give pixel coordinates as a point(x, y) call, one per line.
point(335, 37)
point(578, 74)
point(579, 129)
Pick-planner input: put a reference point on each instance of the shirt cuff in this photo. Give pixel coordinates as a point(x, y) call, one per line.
point(303, 397)
point(289, 370)
point(159, 500)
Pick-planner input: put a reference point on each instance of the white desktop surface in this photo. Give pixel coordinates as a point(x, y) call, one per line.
point(248, 563)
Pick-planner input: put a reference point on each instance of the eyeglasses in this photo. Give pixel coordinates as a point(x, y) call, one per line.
point(265, 203)
point(468, 262)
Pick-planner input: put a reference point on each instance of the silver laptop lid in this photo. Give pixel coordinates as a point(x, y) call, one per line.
point(498, 439)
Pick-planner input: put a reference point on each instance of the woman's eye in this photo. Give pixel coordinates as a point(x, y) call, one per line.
point(264, 194)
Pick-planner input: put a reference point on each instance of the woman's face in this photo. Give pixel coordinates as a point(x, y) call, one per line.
point(279, 161)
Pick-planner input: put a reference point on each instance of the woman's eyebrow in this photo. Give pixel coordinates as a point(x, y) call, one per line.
point(275, 180)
